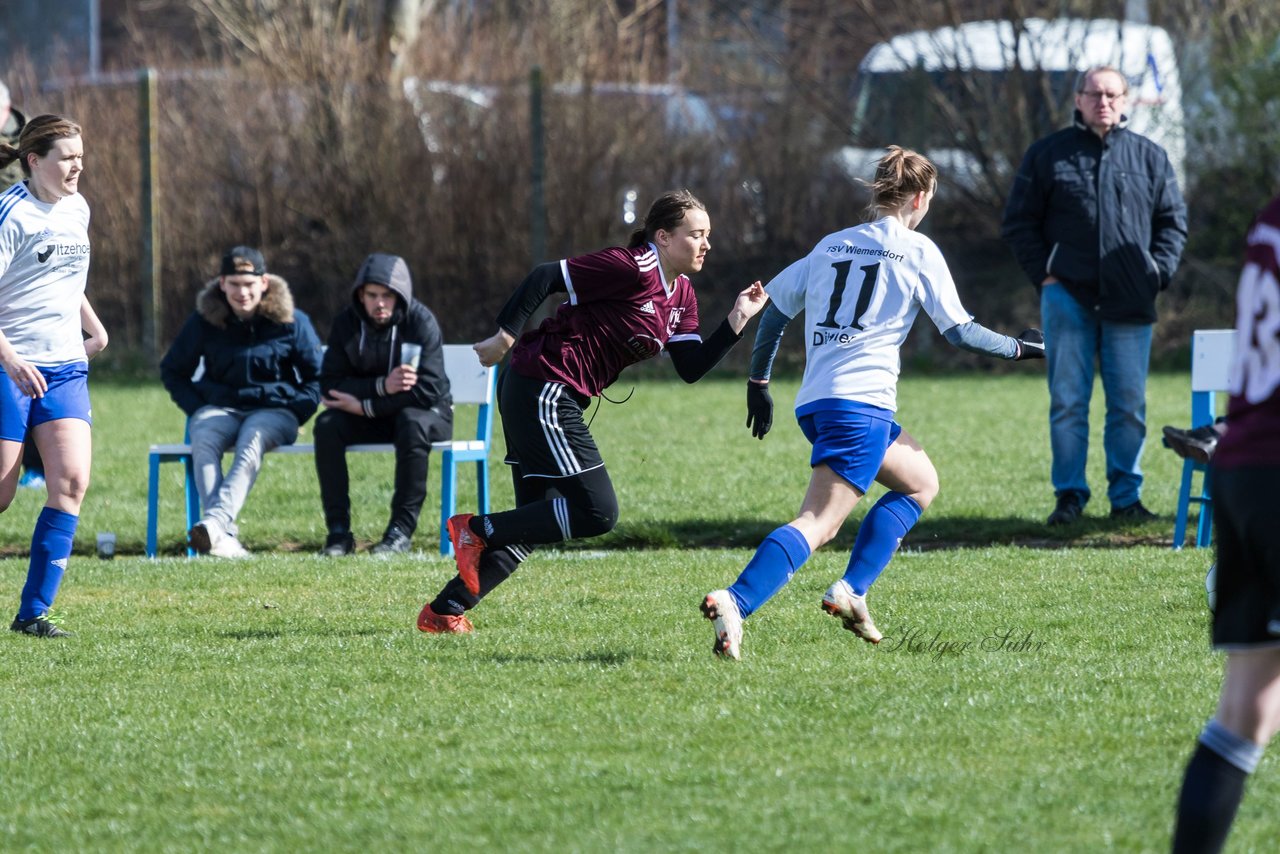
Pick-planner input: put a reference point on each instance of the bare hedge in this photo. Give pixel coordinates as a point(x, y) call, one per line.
point(296, 137)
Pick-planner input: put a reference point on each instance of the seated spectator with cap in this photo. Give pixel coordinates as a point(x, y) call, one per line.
point(384, 381)
point(260, 383)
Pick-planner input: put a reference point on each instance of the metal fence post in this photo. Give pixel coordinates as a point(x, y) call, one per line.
point(148, 143)
point(537, 190)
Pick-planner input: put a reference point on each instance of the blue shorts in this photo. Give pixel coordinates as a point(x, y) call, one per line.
point(66, 397)
point(851, 440)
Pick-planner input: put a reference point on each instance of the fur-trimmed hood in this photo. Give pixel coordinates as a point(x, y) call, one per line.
point(270, 361)
point(276, 305)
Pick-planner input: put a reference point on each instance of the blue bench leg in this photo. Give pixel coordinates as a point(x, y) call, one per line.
point(153, 502)
point(482, 486)
point(1204, 526)
point(192, 498)
point(448, 498)
point(1184, 502)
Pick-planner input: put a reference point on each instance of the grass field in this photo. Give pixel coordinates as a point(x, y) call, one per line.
point(1037, 691)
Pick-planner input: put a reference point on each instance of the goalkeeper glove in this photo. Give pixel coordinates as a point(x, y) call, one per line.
point(759, 409)
point(1030, 345)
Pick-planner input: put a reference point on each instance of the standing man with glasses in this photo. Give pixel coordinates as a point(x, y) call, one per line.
point(1097, 222)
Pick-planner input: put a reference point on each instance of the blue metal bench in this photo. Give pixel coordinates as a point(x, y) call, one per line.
point(469, 382)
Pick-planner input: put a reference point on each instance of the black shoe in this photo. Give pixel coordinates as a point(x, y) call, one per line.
point(339, 544)
point(1197, 445)
point(39, 627)
point(1070, 506)
point(1134, 512)
point(394, 541)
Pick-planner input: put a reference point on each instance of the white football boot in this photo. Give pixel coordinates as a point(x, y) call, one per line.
point(840, 601)
point(719, 607)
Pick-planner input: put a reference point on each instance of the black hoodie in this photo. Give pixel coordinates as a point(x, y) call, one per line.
point(361, 354)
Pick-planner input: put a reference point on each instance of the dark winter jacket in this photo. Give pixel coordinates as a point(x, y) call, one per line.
point(270, 360)
point(362, 354)
point(1103, 215)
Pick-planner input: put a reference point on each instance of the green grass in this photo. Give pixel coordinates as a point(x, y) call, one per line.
point(1037, 697)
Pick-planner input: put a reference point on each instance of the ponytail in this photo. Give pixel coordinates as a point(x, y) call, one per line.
point(900, 174)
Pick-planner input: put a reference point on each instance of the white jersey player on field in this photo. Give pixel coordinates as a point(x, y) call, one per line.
point(860, 290)
point(44, 351)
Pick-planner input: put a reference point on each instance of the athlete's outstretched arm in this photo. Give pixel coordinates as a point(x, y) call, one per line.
point(976, 338)
point(768, 338)
point(542, 281)
point(694, 358)
point(759, 402)
point(746, 306)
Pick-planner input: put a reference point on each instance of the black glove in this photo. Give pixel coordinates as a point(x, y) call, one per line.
point(1030, 345)
point(759, 409)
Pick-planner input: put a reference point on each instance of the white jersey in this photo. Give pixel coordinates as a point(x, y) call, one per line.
point(44, 265)
point(860, 290)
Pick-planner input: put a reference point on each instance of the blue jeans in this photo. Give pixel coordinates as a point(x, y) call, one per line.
point(249, 434)
point(1074, 337)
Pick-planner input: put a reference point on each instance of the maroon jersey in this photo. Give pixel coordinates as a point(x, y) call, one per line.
point(1253, 413)
point(619, 312)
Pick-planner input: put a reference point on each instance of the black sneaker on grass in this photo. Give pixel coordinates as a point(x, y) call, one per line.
point(1134, 512)
point(339, 544)
point(394, 541)
point(39, 627)
point(1070, 506)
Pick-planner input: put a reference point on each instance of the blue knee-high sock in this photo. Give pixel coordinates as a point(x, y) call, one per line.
point(50, 548)
point(879, 537)
point(775, 561)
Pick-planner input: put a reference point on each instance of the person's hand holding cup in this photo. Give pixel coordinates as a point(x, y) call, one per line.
point(405, 375)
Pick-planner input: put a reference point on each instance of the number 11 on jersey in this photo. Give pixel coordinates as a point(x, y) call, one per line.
point(869, 274)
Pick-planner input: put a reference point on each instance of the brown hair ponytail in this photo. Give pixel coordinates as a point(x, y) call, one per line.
point(900, 174)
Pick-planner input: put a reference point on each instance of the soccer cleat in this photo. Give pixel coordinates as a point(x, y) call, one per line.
point(31, 480)
point(719, 607)
point(40, 626)
point(442, 624)
point(467, 548)
point(840, 601)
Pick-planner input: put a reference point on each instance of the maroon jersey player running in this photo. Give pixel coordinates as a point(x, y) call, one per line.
point(623, 306)
point(1246, 618)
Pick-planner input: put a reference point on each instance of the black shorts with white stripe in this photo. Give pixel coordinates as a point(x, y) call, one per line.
point(545, 432)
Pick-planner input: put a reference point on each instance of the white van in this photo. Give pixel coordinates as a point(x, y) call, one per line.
point(949, 94)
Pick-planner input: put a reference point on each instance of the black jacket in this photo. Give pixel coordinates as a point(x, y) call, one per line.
point(270, 360)
point(361, 354)
point(1103, 215)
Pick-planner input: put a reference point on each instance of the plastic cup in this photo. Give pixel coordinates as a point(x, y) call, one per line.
point(410, 354)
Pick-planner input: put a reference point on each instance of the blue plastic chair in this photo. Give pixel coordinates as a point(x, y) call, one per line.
point(1212, 351)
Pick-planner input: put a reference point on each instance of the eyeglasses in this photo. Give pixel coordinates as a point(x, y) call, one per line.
point(1110, 96)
